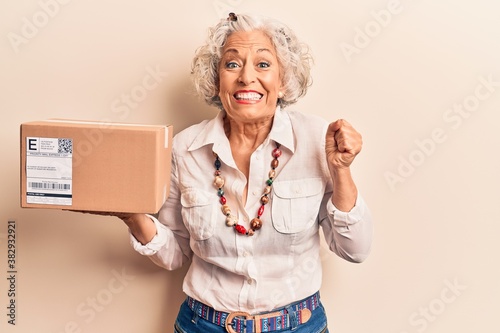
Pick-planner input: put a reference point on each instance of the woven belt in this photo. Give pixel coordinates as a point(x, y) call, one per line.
point(287, 317)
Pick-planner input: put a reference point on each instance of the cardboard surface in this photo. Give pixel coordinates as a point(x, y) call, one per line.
point(93, 166)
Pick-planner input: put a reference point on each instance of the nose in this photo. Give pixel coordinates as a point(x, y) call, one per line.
point(247, 74)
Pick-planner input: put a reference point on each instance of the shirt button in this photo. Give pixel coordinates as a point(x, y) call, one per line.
point(254, 192)
point(249, 281)
point(245, 254)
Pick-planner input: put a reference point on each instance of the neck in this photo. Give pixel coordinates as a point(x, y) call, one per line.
point(247, 135)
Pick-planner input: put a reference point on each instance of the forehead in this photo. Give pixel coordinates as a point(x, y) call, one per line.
point(254, 40)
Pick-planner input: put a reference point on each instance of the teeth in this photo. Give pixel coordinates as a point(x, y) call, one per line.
point(251, 96)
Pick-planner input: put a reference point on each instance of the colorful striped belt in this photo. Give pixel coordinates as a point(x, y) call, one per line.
point(284, 318)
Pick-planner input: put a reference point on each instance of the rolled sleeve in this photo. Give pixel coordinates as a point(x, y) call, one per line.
point(349, 234)
point(158, 241)
point(342, 220)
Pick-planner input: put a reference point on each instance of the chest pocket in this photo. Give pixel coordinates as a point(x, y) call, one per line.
point(296, 204)
point(199, 212)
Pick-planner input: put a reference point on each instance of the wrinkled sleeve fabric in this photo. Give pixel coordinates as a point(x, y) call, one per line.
point(158, 241)
point(169, 248)
point(348, 234)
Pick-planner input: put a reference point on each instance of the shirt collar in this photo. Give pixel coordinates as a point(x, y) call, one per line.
point(213, 132)
point(282, 131)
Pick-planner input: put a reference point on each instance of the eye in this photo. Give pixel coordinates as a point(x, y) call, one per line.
point(263, 64)
point(231, 65)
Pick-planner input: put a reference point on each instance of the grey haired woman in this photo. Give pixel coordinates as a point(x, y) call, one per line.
point(252, 188)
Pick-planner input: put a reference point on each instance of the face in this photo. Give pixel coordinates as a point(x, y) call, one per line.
point(249, 76)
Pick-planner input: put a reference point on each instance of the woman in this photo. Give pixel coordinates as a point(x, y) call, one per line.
point(251, 188)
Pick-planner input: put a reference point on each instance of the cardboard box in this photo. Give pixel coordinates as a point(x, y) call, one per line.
point(93, 166)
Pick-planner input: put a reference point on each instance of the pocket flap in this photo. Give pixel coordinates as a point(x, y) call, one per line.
point(193, 197)
point(301, 188)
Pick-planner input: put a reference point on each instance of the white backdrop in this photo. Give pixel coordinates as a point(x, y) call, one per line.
point(419, 79)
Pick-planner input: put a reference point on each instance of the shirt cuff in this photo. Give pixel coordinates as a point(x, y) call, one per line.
point(158, 241)
point(345, 219)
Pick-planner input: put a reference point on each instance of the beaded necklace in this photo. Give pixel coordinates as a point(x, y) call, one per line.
point(231, 220)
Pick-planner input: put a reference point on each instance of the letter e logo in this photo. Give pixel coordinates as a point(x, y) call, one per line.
point(32, 144)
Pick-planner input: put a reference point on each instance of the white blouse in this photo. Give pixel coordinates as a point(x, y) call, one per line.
point(281, 263)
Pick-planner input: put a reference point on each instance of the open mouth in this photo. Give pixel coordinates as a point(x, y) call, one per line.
point(248, 96)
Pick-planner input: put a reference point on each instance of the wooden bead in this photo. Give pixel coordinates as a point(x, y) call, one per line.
point(272, 174)
point(275, 163)
point(226, 209)
point(231, 221)
point(256, 224)
point(264, 199)
point(219, 182)
point(267, 190)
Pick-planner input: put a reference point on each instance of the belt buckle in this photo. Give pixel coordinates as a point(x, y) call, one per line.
point(231, 316)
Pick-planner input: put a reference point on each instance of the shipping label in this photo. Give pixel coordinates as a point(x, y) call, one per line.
point(49, 171)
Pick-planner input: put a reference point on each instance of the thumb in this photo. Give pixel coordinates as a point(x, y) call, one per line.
point(331, 143)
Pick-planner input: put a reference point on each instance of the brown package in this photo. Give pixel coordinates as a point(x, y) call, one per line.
point(95, 166)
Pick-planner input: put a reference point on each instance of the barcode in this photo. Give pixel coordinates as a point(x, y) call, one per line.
point(51, 186)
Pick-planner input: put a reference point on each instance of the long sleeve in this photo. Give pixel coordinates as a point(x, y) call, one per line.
point(348, 234)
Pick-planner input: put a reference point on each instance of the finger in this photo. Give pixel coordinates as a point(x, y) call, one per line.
point(331, 143)
point(342, 143)
point(343, 137)
point(336, 125)
point(348, 140)
point(333, 130)
point(345, 144)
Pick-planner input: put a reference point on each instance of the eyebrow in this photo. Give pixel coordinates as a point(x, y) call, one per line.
point(233, 50)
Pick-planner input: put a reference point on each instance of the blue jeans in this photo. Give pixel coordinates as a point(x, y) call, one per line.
point(189, 322)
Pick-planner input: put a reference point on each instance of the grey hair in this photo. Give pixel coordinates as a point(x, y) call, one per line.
point(294, 58)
